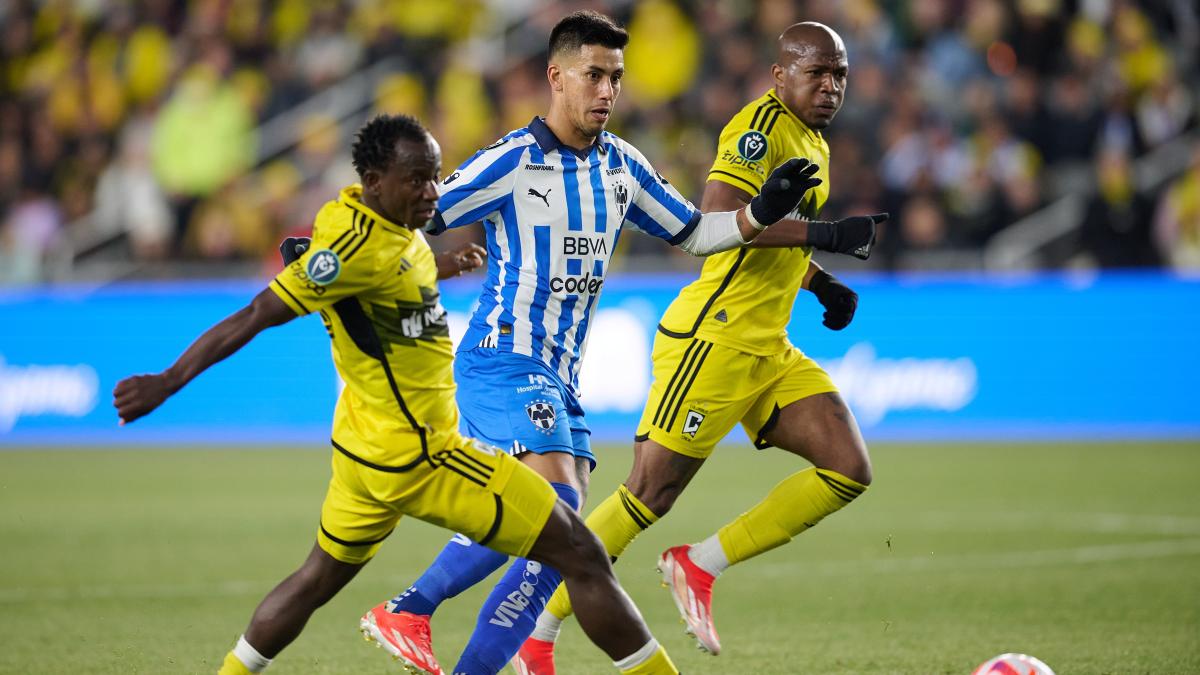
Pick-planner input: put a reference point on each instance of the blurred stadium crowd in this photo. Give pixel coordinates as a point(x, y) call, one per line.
point(183, 136)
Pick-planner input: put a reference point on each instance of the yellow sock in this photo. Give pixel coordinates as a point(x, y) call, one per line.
point(799, 502)
point(658, 663)
point(617, 521)
point(233, 666)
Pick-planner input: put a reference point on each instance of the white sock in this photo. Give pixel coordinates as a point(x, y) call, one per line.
point(639, 657)
point(249, 656)
point(547, 627)
point(709, 556)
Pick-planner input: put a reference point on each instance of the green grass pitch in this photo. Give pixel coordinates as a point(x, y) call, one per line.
point(1085, 555)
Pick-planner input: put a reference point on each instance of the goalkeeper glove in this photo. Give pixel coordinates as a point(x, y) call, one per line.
point(782, 191)
point(837, 298)
point(854, 235)
point(292, 248)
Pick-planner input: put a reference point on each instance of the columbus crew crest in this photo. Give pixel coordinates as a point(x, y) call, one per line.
point(541, 414)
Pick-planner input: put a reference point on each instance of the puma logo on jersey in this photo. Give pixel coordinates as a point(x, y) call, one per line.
point(543, 197)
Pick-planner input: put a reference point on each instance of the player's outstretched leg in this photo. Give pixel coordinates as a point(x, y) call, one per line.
point(819, 428)
point(509, 613)
point(281, 615)
point(656, 479)
point(401, 625)
point(605, 612)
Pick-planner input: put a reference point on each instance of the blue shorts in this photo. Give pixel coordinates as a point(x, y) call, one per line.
point(518, 403)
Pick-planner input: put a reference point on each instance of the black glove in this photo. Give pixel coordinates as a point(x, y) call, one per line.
point(784, 189)
point(292, 248)
point(839, 301)
point(854, 235)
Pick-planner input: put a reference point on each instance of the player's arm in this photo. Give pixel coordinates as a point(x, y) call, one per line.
point(137, 396)
point(854, 235)
point(658, 208)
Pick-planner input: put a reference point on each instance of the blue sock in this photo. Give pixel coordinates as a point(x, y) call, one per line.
point(460, 565)
point(511, 611)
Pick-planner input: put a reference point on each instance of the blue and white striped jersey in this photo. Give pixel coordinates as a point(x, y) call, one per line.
point(553, 215)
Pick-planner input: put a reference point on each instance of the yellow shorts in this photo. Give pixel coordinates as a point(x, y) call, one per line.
point(701, 390)
point(465, 486)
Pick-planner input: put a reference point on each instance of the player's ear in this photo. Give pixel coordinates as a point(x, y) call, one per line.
point(777, 74)
point(554, 74)
point(370, 182)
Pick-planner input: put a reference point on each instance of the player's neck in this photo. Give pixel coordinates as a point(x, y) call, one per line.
point(567, 133)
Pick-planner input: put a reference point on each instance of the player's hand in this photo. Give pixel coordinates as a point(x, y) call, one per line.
point(783, 190)
point(136, 396)
point(466, 258)
point(837, 298)
point(292, 248)
point(854, 235)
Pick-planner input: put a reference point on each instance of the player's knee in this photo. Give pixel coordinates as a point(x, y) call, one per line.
point(580, 552)
point(856, 466)
point(566, 544)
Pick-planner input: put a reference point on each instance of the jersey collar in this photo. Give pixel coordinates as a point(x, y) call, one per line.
point(548, 142)
point(351, 196)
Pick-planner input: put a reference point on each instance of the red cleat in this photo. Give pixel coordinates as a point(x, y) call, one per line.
point(691, 588)
point(536, 657)
point(405, 636)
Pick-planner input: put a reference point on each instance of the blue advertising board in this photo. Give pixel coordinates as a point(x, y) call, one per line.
point(927, 357)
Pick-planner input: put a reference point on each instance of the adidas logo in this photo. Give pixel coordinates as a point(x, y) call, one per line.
point(722, 317)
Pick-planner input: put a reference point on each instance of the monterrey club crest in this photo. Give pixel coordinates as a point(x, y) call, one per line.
point(622, 196)
point(752, 146)
point(324, 266)
point(542, 414)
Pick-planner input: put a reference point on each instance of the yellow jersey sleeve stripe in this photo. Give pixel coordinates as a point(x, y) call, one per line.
point(288, 299)
point(361, 240)
point(765, 116)
point(725, 176)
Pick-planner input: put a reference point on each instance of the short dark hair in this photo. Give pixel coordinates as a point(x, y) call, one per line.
point(586, 27)
point(375, 143)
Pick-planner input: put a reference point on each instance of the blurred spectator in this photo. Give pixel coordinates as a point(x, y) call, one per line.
point(1177, 223)
point(31, 228)
point(1116, 226)
point(203, 137)
point(129, 200)
point(965, 115)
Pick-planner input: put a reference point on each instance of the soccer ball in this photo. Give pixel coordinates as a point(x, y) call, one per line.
point(1013, 664)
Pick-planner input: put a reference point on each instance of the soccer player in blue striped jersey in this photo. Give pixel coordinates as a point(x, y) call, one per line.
point(553, 198)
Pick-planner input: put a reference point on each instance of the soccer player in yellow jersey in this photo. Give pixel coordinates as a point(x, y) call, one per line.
point(722, 355)
point(396, 447)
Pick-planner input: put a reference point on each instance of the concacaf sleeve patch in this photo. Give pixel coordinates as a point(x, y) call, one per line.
point(752, 146)
point(324, 266)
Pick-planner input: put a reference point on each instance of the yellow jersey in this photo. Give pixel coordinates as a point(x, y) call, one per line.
point(743, 298)
point(375, 285)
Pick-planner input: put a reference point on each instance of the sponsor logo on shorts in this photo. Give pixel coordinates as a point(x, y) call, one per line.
point(324, 266)
point(542, 414)
point(691, 423)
